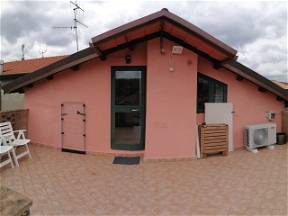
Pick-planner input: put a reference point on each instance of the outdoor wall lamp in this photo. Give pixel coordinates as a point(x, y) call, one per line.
point(177, 50)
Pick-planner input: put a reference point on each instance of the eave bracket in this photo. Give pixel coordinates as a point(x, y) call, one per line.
point(101, 54)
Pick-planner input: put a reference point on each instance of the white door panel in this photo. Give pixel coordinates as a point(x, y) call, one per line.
point(221, 113)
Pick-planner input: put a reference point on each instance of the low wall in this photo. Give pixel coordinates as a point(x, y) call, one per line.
point(12, 101)
point(18, 118)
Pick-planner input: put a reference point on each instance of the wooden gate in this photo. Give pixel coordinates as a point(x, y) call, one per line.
point(73, 127)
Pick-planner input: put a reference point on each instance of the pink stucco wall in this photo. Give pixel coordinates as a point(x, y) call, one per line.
point(171, 102)
point(249, 104)
point(90, 85)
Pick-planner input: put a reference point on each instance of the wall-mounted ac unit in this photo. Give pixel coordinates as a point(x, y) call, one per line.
point(259, 135)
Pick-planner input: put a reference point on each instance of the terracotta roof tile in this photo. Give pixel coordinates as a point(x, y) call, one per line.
point(29, 65)
point(281, 84)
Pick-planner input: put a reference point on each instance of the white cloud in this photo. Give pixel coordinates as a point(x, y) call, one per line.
point(266, 56)
point(258, 30)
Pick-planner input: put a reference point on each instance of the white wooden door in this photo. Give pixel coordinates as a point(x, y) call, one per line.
point(73, 127)
point(221, 113)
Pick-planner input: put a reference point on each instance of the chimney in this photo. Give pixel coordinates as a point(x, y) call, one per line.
point(23, 52)
point(1, 67)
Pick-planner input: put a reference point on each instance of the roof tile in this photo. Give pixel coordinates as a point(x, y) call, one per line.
point(29, 65)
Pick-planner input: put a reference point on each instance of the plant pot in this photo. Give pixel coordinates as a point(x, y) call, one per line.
point(281, 138)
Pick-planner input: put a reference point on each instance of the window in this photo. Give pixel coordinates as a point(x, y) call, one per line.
point(209, 90)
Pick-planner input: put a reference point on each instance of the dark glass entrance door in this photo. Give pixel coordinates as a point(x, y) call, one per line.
point(128, 108)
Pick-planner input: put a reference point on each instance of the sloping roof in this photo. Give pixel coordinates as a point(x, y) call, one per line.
point(254, 77)
point(283, 85)
point(169, 24)
point(48, 71)
point(28, 66)
point(161, 24)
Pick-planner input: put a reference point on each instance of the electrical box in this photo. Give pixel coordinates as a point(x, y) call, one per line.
point(270, 116)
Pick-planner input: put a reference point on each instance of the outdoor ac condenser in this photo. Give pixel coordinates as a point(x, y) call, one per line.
point(259, 135)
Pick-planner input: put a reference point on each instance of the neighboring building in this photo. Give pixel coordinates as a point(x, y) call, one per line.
point(283, 85)
point(142, 87)
point(15, 69)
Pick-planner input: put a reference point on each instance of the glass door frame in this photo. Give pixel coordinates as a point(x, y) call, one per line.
point(128, 108)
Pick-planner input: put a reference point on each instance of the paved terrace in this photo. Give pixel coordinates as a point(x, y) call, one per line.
point(69, 184)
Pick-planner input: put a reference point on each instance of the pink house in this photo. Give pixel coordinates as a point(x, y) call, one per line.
point(141, 88)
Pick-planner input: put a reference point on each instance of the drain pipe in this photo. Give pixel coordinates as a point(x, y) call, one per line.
point(1, 66)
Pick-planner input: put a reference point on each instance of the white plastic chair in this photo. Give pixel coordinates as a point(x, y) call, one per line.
point(5, 150)
point(9, 138)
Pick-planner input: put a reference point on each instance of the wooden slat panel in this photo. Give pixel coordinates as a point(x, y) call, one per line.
point(214, 131)
point(207, 136)
point(220, 148)
point(214, 128)
point(213, 151)
point(213, 139)
point(222, 143)
point(206, 130)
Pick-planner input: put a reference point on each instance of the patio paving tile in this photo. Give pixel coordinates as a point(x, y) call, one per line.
point(69, 184)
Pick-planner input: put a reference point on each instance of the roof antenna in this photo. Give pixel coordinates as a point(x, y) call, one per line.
point(42, 51)
point(75, 23)
point(23, 52)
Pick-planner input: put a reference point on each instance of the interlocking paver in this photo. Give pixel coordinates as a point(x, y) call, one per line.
point(69, 184)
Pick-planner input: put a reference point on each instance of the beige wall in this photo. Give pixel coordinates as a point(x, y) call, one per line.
point(12, 101)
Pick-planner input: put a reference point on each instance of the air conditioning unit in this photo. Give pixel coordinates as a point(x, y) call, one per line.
point(259, 135)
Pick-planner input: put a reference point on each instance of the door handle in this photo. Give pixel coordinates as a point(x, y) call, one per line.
point(79, 113)
point(134, 110)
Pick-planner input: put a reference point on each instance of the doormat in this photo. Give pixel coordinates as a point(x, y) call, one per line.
point(126, 160)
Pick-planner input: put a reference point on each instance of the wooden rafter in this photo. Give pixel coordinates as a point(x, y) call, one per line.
point(98, 51)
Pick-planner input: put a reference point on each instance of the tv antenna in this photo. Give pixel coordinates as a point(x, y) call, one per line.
point(42, 51)
point(75, 23)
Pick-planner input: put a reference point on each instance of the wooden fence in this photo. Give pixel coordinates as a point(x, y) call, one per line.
point(18, 118)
